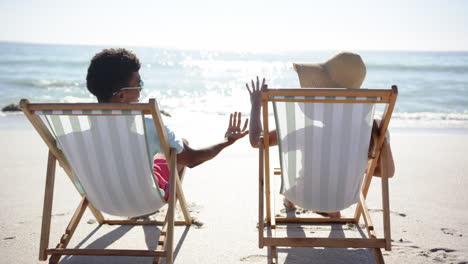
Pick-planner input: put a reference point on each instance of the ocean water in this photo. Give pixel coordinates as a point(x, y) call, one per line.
point(433, 86)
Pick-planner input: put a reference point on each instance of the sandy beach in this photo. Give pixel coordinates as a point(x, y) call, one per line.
point(428, 201)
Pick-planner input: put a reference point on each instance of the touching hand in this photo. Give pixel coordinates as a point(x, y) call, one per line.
point(255, 93)
point(234, 131)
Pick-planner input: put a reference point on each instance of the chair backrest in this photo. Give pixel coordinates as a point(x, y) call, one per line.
point(323, 139)
point(108, 155)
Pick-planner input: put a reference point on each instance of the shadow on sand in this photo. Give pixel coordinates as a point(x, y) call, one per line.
point(151, 239)
point(296, 255)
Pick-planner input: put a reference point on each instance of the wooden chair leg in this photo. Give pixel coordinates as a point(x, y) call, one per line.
point(367, 218)
point(66, 237)
point(171, 207)
point(166, 238)
point(261, 218)
point(364, 189)
point(272, 255)
point(162, 240)
point(47, 209)
point(266, 158)
point(386, 201)
point(182, 202)
point(386, 214)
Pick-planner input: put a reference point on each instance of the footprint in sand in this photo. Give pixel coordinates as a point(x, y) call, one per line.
point(254, 258)
point(392, 212)
point(59, 214)
point(443, 255)
point(401, 241)
point(451, 232)
point(296, 210)
point(194, 208)
point(197, 223)
point(448, 250)
point(402, 244)
point(351, 226)
point(440, 255)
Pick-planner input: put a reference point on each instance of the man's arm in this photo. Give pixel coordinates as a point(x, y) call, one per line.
point(256, 129)
point(191, 157)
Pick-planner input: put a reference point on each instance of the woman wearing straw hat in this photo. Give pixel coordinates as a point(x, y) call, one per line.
point(344, 70)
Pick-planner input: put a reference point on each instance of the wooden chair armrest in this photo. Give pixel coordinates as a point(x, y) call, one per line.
point(372, 144)
point(385, 162)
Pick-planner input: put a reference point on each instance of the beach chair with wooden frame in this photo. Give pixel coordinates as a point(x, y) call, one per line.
point(118, 181)
point(326, 164)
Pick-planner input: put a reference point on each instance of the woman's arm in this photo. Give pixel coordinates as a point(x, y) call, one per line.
point(256, 129)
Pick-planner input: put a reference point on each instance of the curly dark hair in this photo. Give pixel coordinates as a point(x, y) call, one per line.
point(110, 70)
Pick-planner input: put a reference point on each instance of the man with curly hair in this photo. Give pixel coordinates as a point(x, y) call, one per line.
point(113, 77)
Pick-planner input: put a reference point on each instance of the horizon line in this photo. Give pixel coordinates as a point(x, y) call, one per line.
point(219, 49)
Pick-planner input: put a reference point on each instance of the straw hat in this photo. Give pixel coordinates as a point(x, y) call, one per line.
point(344, 70)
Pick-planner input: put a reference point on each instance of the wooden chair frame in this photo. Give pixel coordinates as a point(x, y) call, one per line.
point(269, 222)
point(165, 244)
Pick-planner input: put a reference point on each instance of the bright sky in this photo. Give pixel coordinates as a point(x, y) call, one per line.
point(241, 24)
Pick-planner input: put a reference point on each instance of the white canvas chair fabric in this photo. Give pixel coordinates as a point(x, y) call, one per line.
point(109, 157)
point(323, 151)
